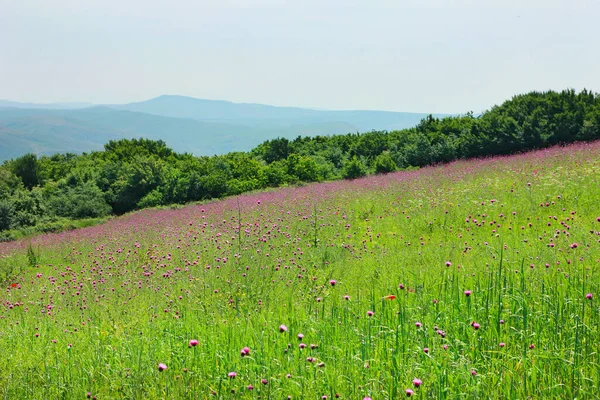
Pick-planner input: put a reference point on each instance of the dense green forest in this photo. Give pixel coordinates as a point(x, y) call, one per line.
point(53, 193)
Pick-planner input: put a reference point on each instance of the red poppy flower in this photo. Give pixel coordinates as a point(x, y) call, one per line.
point(389, 297)
point(14, 285)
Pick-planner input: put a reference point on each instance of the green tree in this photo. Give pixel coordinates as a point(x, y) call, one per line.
point(384, 163)
point(26, 168)
point(354, 168)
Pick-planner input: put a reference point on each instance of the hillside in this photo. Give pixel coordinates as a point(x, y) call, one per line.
point(475, 279)
point(48, 193)
point(200, 127)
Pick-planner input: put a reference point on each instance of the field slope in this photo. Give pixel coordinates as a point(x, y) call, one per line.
point(476, 279)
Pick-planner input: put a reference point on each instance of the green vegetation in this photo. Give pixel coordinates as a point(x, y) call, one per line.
point(139, 173)
point(477, 279)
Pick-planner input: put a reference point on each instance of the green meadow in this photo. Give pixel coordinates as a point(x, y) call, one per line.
point(470, 280)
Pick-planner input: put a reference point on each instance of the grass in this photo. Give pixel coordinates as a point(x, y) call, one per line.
point(97, 309)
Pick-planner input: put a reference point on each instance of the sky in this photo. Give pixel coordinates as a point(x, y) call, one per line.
point(438, 56)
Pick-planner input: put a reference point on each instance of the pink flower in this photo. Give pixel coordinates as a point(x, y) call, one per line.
point(409, 392)
point(245, 351)
point(589, 296)
point(162, 367)
point(417, 382)
point(231, 375)
point(502, 344)
point(302, 345)
point(250, 387)
point(264, 381)
point(300, 336)
point(426, 350)
point(370, 313)
point(346, 297)
point(468, 293)
point(193, 343)
point(332, 282)
point(283, 328)
point(418, 324)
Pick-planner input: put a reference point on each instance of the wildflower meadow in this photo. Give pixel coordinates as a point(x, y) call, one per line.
point(475, 279)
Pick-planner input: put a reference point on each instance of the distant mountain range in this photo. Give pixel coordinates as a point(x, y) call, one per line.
point(186, 124)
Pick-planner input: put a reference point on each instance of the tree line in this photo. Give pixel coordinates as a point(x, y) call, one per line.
point(45, 193)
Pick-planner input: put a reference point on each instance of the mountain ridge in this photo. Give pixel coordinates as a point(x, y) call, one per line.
point(186, 124)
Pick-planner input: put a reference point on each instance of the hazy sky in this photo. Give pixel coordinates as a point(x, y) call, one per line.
point(402, 55)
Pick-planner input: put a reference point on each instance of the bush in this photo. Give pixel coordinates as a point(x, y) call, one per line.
point(354, 168)
point(384, 163)
point(84, 201)
point(7, 211)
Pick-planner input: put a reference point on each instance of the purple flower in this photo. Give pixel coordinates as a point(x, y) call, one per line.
point(245, 351)
point(589, 296)
point(231, 375)
point(193, 343)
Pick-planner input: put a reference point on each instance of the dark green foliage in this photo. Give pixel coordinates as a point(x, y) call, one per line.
point(354, 168)
point(384, 163)
point(26, 168)
point(7, 210)
point(82, 201)
point(136, 173)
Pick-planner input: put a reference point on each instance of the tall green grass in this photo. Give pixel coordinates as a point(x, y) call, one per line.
point(520, 233)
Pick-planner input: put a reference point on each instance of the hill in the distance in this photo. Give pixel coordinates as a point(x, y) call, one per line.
point(200, 127)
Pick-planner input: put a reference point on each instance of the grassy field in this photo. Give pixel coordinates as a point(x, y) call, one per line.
point(477, 279)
